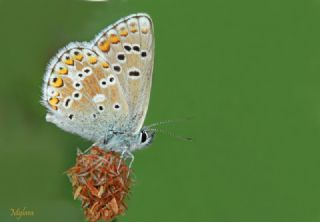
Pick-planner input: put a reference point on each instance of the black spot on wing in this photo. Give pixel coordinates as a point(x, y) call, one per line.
point(134, 73)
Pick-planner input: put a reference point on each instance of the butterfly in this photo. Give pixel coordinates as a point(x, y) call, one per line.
point(100, 89)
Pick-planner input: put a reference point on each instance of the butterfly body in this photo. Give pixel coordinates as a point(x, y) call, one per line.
point(120, 141)
point(100, 89)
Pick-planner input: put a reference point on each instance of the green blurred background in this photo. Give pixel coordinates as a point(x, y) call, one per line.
point(247, 71)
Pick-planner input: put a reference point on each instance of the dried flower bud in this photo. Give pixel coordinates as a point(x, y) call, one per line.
point(100, 180)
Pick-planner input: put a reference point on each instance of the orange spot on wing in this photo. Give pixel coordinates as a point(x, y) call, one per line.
point(63, 71)
point(53, 101)
point(123, 33)
point(144, 30)
point(54, 107)
point(133, 29)
point(114, 39)
point(105, 65)
point(105, 45)
point(56, 82)
point(93, 60)
point(68, 61)
point(78, 57)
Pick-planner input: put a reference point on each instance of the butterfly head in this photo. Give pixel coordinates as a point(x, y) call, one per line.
point(118, 140)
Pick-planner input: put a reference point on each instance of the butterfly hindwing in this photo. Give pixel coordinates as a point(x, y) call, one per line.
point(82, 94)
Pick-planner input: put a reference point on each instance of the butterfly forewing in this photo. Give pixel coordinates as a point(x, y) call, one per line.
point(128, 45)
point(92, 88)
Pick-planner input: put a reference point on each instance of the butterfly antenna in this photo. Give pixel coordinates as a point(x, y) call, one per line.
point(171, 134)
point(169, 122)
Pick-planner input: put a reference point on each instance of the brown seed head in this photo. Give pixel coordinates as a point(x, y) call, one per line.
point(100, 180)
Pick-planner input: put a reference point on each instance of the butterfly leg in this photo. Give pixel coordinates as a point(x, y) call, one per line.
point(126, 154)
point(131, 156)
point(87, 150)
point(122, 158)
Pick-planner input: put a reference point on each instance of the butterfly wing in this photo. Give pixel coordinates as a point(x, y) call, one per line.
point(82, 94)
point(129, 46)
point(92, 88)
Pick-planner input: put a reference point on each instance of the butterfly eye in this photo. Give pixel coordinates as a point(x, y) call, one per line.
point(143, 137)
